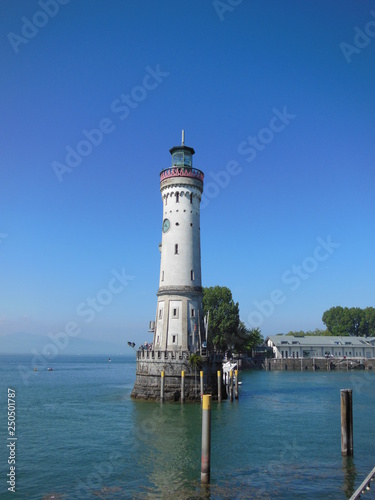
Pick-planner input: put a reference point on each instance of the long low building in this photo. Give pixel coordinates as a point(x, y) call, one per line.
point(288, 346)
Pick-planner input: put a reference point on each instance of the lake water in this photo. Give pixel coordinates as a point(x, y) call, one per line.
point(79, 435)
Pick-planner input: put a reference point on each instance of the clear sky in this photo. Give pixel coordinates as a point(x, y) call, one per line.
point(276, 98)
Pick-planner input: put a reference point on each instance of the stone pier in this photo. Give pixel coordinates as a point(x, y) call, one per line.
point(150, 364)
point(319, 364)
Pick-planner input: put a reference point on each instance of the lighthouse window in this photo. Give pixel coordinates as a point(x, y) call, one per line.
point(160, 313)
point(192, 275)
point(175, 312)
point(173, 339)
point(193, 313)
point(191, 197)
point(177, 197)
point(176, 248)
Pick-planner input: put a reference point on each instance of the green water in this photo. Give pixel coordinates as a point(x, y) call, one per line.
point(81, 436)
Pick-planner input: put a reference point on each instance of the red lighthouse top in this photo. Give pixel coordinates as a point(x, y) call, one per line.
point(182, 163)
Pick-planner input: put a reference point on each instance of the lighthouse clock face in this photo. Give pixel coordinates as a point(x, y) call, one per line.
point(166, 225)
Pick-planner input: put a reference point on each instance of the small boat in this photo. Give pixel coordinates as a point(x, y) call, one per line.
point(109, 360)
point(35, 369)
point(50, 369)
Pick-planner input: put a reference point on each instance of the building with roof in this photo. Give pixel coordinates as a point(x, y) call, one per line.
point(288, 346)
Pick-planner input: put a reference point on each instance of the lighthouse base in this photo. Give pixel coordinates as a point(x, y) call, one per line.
point(151, 364)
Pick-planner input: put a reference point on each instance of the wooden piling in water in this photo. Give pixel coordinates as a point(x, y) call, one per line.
point(182, 386)
point(206, 439)
point(231, 385)
point(219, 398)
point(201, 374)
point(236, 384)
point(346, 422)
point(162, 387)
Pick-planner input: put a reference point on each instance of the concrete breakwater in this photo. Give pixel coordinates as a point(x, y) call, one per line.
point(321, 364)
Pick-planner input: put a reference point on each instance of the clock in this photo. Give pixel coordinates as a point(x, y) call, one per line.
point(166, 225)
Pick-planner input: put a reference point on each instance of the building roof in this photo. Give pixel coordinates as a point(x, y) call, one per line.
point(316, 340)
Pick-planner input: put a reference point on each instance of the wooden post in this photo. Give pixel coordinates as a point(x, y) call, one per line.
point(236, 384)
point(201, 374)
point(162, 387)
point(231, 385)
point(206, 439)
point(346, 422)
point(219, 386)
point(182, 386)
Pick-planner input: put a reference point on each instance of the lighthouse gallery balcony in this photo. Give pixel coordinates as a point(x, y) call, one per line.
point(181, 172)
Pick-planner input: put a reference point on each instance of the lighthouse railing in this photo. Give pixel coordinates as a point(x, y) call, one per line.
point(181, 172)
point(172, 354)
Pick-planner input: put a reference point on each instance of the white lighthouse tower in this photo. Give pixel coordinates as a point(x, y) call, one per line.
point(179, 313)
point(166, 371)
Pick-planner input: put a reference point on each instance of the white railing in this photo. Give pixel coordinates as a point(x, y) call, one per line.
point(365, 486)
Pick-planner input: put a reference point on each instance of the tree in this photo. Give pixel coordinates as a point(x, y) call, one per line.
point(247, 340)
point(335, 321)
point(225, 330)
point(309, 333)
point(367, 325)
point(352, 321)
point(224, 317)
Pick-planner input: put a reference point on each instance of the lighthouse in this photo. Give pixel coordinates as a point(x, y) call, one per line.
point(178, 329)
point(179, 313)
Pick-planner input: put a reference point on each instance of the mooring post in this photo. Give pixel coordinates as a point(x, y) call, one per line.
point(219, 386)
point(236, 384)
point(162, 387)
point(346, 422)
point(201, 374)
point(182, 386)
point(206, 439)
point(231, 385)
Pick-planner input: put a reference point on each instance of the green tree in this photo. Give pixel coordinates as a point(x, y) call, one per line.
point(336, 321)
point(352, 321)
point(367, 326)
point(309, 333)
point(224, 317)
point(246, 340)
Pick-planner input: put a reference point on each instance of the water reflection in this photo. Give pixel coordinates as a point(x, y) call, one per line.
point(350, 474)
point(170, 452)
point(281, 440)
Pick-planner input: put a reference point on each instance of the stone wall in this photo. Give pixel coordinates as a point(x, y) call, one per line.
point(150, 364)
point(316, 364)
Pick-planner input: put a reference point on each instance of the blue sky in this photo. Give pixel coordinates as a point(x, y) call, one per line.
point(280, 112)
